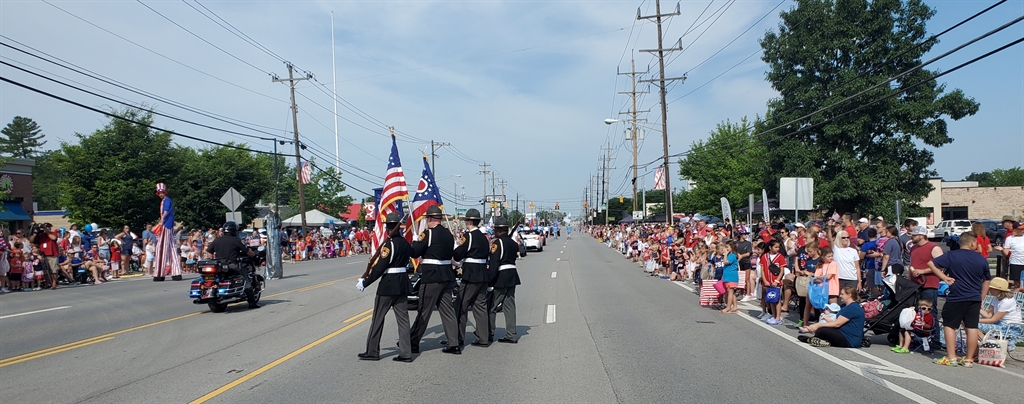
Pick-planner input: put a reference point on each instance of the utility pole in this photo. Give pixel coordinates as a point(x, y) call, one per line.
point(664, 107)
point(483, 204)
point(295, 122)
point(433, 153)
point(503, 183)
point(634, 131)
point(494, 193)
point(605, 167)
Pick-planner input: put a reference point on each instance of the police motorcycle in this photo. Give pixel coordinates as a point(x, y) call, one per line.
point(222, 282)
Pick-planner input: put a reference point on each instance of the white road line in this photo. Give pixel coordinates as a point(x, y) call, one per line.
point(34, 312)
point(918, 376)
point(554, 274)
point(551, 314)
point(558, 259)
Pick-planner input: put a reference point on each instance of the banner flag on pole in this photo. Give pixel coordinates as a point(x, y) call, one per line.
point(659, 178)
point(726, 210)
point(393, 193)
point(764, 206)
point(426, 196)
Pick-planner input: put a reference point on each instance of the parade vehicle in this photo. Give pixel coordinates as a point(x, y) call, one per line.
point(532, 240)
point(221, 284)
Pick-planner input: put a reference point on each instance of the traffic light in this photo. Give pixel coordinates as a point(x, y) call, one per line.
point(556, 205)
point(620, 198)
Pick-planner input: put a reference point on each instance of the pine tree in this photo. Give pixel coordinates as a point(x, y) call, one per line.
point(21, 138)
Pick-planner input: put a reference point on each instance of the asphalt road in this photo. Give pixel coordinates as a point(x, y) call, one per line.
point(592, 326)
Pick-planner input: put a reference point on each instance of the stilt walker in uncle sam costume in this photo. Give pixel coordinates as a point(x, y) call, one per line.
point(167, 261)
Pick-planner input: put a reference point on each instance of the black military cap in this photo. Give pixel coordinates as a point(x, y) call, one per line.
point(435, 212)
point(472, 214)
point(500, 222)
point(392, 218)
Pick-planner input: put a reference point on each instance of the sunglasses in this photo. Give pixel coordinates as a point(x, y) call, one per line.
point(925, 308)
point(845, 238)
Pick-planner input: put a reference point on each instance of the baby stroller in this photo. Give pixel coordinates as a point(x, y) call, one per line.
point(903, 293)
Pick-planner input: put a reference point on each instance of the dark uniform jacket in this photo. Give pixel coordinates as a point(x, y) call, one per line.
point(227, 247)
point(436, 243)
point(503, 252)
point(474, 246)
point(394, 253)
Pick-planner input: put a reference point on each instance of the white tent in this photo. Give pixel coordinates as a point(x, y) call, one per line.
point(314, 218)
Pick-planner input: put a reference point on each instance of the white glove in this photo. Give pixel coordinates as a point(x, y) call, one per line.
point(490, 289)
point(359, 285)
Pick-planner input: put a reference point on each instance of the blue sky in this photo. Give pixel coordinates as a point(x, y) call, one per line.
point(521, 85)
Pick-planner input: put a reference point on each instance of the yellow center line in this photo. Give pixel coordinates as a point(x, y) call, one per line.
point(100, 338)
point(271, 365)
point(358, 315)
point(66, 348)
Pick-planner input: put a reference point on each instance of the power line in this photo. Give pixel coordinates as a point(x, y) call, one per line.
point(237, 32)
point(98, 77)
point(162, 55)
point(202, 39)
point(115, 116)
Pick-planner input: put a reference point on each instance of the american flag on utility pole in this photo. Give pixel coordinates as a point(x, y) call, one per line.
point(659, 178)
point(394, 192)
point(305, 174)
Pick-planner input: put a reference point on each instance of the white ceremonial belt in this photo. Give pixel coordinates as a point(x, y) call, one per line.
point(428, 261)
point(506, 266)
point(401, 270)
point(475, 261)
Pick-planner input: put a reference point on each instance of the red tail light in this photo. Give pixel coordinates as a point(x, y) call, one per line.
point(208, 270)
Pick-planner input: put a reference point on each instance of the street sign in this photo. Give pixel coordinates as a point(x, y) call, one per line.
point(494, 198)
point(796, 193)
point(232, 199)
point(638, 215)
point(233, 217)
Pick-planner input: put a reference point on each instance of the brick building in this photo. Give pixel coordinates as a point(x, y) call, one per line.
point(966, 200)
point(16, 179)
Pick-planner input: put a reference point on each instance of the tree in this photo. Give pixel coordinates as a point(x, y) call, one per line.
point(46, 177)
point(21, 138)
point(210, 173)
point(1013, 177)
point(827, 50)
point(110, 176)
point(728, 164)
point(324, 192)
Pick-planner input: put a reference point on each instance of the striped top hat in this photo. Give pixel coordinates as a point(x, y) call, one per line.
point(161, 188)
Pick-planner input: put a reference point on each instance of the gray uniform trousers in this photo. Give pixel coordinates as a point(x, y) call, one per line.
point(474, 297)
point(381, 305)
point(507, 298)
point(439, 294)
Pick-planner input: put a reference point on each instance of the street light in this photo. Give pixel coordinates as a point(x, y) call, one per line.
point(634, 133)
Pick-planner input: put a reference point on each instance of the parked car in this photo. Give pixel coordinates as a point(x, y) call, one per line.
point(993, 230)
point(948, 228)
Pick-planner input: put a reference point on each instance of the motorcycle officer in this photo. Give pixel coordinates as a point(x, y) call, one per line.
point(230, 247)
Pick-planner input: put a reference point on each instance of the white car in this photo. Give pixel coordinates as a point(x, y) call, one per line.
point(950, 227)
point(532, 240)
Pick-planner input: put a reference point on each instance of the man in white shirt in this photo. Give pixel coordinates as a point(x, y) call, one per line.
point(1014, 246)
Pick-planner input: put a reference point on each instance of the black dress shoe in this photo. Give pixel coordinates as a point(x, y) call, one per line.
point(452, 350)
point(366, 357)
point(508, 341)
point(481, 344)
point(445, 343)
point(401, 359)
point(415, 349)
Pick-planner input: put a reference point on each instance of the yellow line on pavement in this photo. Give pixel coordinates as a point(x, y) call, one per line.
point(66, 348)
point(358, 315)
point(271, 365)
point(100, 338)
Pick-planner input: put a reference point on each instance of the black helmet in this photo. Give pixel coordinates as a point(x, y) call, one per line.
point(434, 211)
point(231, 228)
point(500, 222)
point(472, 214)
point(392, 218)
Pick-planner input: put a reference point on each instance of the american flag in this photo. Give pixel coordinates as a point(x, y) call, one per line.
point(305, 173)
point(394, 192)
point(659, 178)
point(426, 196)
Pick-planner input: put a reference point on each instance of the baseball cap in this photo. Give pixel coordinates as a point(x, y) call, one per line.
point(798, 224)
point(919, 230)
point(1020, 226)
point(863, 220)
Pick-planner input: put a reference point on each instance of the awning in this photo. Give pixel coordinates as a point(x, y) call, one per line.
point(13, 213)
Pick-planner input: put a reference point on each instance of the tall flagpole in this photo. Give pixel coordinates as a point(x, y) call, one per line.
point(334, 71)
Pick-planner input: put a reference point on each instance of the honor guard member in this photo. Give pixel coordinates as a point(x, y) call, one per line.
point(473, 252)
point(437, 280)
point(392, 292)
point(504, 279)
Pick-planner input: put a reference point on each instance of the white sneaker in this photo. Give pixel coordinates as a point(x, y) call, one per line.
point(5, 290)
point(762, 316)
point(745, 298)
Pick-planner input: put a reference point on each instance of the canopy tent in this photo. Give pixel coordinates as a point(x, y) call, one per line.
point(313, 218)
point(626, 220)
point(13, 212)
